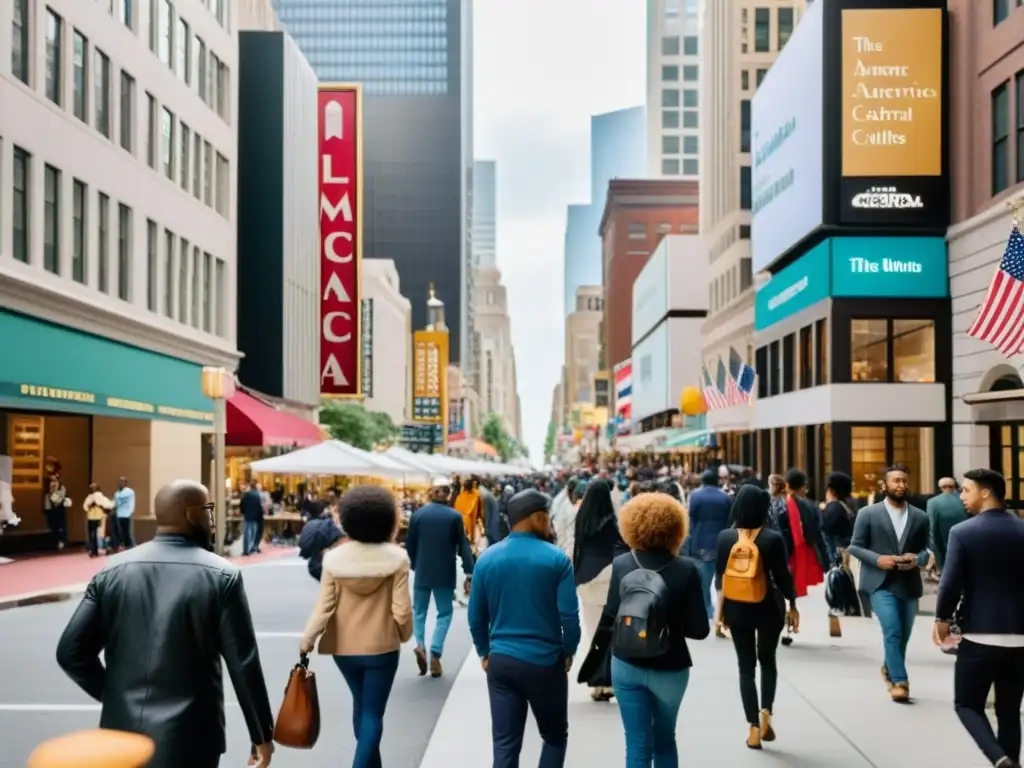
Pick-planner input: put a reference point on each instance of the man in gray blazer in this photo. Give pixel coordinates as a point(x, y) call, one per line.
point(944, 511)
point(890, 539)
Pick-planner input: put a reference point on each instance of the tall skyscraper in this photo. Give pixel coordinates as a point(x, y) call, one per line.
point(673, 87)
point(414, 59)
point(484, 220)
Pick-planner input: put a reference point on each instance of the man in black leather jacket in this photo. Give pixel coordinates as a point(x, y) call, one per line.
point(164, 614)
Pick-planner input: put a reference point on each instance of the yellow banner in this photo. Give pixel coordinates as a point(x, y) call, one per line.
point(430, 376)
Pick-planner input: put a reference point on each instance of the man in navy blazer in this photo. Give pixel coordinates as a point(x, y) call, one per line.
point(709, 509)
point(436, 535)
point(982, 581)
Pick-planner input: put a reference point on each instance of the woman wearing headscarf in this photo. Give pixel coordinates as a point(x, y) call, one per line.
point(563, 514)
point(597, 542)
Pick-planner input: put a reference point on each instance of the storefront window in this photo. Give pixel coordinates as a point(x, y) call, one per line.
point(804, 357)
point(914, 448)
point(867, 458)
point(1006, 444)
point(913, 350)
point(869, 350)
point(821, 352)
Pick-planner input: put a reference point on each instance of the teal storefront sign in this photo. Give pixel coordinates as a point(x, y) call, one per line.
point(802, 284)
point(49, 367)
point(890, 267)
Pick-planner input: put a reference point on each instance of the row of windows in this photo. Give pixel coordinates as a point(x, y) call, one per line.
point(359, 73)
point(799, 360)
point(670, 98)
point(670, 73)
point(674, 45)
point(369, 29)
point(1001, 9)
point(673, 145)
point(670, 119)
point(1003, 126)
point(339, 12)
point(385, 87)
point(377, 58)
point(785, 23)
point(206, 275)
point(672, 9)
point(671, 166)
point(723, 289)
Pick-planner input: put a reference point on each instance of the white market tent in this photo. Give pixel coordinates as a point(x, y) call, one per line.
point(449, 465)
point(334, 457)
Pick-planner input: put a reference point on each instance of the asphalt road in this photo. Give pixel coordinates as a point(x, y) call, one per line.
point(38, 702)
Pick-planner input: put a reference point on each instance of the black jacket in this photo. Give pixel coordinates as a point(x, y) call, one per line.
point(770, 612)
point(436, 535)
point(811, 521)
point(592, 554)
point(164, 614)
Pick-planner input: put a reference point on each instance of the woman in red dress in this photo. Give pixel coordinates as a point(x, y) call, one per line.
point(801, 528)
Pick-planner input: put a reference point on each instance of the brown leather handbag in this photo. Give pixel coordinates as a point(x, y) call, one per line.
point(298, 720)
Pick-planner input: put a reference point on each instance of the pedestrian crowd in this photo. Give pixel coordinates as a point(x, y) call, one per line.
point(633, 578)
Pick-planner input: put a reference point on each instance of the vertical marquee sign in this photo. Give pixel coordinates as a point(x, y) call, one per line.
point(340, 188)
point(367, 344)
point(430, 383)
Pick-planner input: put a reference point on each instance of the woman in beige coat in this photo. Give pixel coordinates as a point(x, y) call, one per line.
point(364, 612)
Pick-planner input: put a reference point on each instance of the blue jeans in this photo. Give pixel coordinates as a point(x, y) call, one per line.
point(707, 580)
point(443, 599)
point(896, 615)
point(649, 702)
point(250, 536)
point(369, 678)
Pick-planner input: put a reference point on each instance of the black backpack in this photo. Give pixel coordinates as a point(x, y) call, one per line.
point(641, 624)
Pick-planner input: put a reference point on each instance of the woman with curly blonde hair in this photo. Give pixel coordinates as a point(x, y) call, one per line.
point(650, 688)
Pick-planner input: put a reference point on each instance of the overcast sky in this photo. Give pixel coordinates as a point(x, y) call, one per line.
point(541, 69)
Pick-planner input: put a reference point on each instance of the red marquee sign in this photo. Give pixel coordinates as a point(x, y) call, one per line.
point(340, 187)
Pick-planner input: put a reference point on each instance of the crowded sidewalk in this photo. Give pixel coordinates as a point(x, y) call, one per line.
point(832, 708)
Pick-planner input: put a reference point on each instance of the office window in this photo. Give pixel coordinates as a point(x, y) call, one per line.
point(669, 97)
point(163, 49)
point(127, 12)
point(691, 73)
point(670, 45)
point(1000, 10)
point(745, 191)
point(127, 111)
point(744, 231)
point(54, 31)
point(761, 75)
point(821, 356)
point(151, 130)
point(774, 369)
point(20, 48)
point(669, 118)
point(637, 230)
point(167, 143)
point(183, 261)
point(79, 264)
point(690, 45)
point(1020, 125)
point(867, 458)
point(20, 203)
point(207, 174)
point(185, 161)
point(869, 350)
point(761, 365)
point(51, 219)
point(223, 89)
point(745, 80)
point(913, 350)
point(691, 145)
point(79, 84)
point(690, 99)
point(197, 275)
point(223, 185)
point(197, 166)
point(207, 291)
point(103, 243)
point(183, 51)
point(102, 75)
point(762, 33)
point(670, 166)
point(124, 251)
point(691, 119)
point(169, 274)
point(670, 145)
point(670, 74)
point(805, 358)
point(1000, 138)
point(201, 67)
point(745, 125)
point(690, 166)
point(212, 81)
point(785, 26)
point(152, 265)
point(220, 292)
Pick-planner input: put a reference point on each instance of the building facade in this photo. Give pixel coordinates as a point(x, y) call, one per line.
point(637, 215)
point(582, 345)
point(414, 60)
point(497, 357)
point(390, 319)
point(117, 242)
point(279, 290)
point(674, 87)
point(485, 200)
point(987, 114)
point(741, 40)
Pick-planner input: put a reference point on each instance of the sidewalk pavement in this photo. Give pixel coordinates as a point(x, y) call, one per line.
point(831, 709)
point(55, 577)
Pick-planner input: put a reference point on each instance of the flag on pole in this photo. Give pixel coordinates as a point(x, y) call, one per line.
point(1000, 320)
point(741, 380)
point(712, 395)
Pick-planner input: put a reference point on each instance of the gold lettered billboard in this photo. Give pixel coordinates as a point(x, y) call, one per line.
point(892, 68)
point(429, 377)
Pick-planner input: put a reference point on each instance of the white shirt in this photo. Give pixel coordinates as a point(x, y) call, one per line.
point(898, 517)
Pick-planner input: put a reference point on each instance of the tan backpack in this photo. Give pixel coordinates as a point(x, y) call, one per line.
point(744, 580)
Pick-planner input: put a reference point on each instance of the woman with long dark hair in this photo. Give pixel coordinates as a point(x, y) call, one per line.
point(597, 543)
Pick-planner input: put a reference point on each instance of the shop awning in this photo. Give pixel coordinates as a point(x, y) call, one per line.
point(693, 438)
point(252, 423)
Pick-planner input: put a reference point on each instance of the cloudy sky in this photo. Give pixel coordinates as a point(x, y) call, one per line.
point(541, 69)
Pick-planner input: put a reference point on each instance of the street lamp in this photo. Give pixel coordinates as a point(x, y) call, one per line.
point(219, 386)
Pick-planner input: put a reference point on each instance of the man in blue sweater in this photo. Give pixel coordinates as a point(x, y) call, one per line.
point(525, 622)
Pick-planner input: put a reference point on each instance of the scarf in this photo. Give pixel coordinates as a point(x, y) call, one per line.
point(796, 523)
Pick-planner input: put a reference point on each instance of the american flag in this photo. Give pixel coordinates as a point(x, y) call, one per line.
point(741, 380)
point(1000, 319)
point(623, 375)
point(712, 394)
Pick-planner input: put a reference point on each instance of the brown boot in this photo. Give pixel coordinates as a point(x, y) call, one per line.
point(767, 732)
point(436, 670)
point(754, 738)
point(835, 629)
point(421, 659)
point(900, 693)
point(886, 678)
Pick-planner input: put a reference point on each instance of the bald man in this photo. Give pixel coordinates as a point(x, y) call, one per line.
point(164, 614)
point(944, 511)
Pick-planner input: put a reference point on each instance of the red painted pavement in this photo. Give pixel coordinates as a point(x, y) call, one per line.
point(40, 573)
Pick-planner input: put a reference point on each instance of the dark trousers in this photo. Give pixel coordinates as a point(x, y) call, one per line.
point(92, 532)
point(514, 687)
point(124, 533)
point(979, 668)
point(369, 678)
point(57, 519)
point(754, 646)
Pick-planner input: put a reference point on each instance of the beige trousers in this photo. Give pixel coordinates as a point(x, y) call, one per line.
point(592, 596)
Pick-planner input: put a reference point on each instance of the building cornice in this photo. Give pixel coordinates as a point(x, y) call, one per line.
point(995, 212)
point(109, 319)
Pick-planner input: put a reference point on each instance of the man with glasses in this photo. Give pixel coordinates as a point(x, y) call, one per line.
point(890, 539)
point(163, 615)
